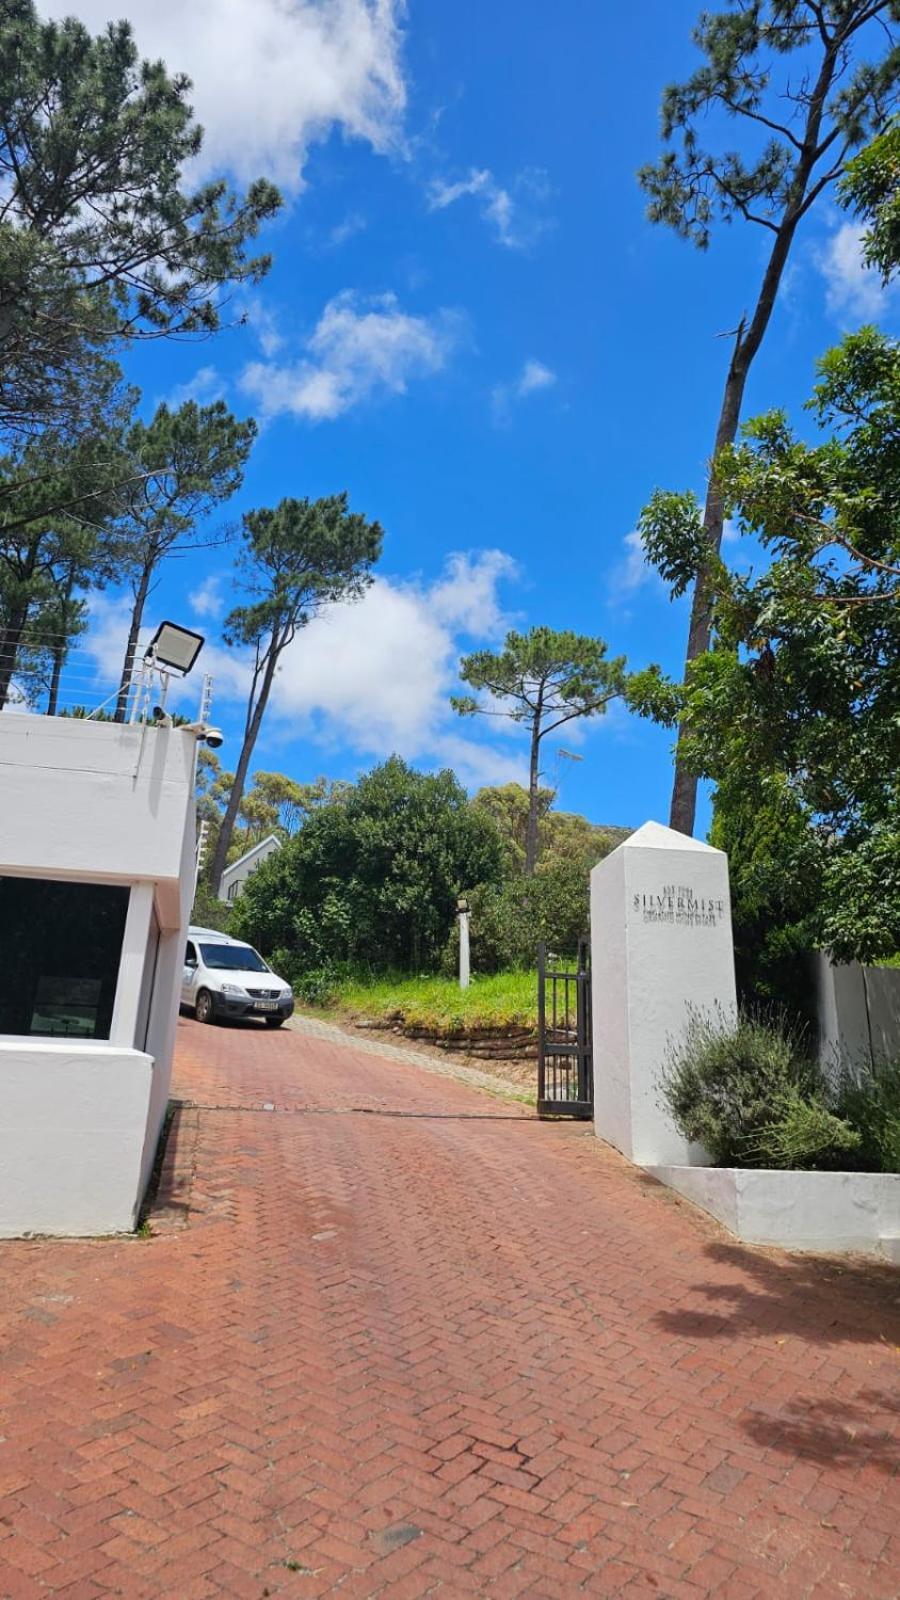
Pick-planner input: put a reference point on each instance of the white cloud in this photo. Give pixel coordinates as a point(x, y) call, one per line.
point(466, 596)
point(533, 377)
point(851, 288)
point(207, 599)
point(206, 385)
point(353, 223)
point(272, 77)
point(263, 321)
point(375, 677)
point(633, 571)
point(358, 348)
point(516, 214)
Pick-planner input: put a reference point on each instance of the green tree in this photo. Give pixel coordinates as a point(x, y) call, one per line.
point(288, 801)
point(297, 559)
point(775, 873)
point(562, 835)
point(542, 679)
point(55, 496)
point(101, 241)
point(790, 74)
point(373, 878)
point(798, 698)
point(508, 804)
point(179, 468)
point(870, 187)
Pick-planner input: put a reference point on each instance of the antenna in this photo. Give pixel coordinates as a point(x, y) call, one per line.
point(202, 839)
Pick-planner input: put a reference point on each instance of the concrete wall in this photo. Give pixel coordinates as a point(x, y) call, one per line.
point(859, 1012)
point(827, 1211)
point(73, 1121)
point(96, 801)
point(661, 948)
point(79, 1122)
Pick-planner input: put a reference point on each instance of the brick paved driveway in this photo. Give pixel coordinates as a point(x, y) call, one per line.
point(396, 1338)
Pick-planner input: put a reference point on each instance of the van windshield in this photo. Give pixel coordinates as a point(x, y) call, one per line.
point(232, 958)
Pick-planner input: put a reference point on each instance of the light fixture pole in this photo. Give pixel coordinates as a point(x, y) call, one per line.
point(462, 911)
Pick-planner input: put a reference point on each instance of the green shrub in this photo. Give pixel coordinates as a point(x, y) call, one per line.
point(869, 1099)
point(510, 919)
point(209, 911)
point(805, 1134)
point(746, 1090)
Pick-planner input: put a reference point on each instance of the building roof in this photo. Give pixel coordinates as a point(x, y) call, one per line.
point(270, 839)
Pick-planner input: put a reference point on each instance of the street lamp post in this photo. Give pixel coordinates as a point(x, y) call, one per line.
point(462, 911)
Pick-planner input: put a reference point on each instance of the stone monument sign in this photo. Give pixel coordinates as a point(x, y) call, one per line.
point(661, 947)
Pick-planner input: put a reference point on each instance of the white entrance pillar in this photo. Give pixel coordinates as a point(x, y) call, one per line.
point(661, 947)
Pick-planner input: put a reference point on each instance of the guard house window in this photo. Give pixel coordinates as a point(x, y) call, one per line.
point(60, 947)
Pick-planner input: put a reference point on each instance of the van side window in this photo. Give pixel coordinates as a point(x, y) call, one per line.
point(190, 955)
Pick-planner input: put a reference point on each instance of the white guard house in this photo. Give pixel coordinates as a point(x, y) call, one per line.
point(235, 876)
point(97, 864)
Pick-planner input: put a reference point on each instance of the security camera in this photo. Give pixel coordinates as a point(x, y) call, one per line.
point(202, 731)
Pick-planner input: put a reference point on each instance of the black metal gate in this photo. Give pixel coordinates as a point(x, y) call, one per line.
point(565, 1068)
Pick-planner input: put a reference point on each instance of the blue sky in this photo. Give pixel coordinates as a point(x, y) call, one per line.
point(471, 327)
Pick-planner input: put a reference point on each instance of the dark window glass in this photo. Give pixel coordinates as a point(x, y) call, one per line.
point(190, 955)
point(60, 946)
point(232, 958)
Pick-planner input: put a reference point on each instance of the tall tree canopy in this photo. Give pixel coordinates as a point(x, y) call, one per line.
point(543, 679)
point(297, 558)
point(101, 239)
point(797, 701)
point(179, 468)
point(806, 82)
point(57, 498)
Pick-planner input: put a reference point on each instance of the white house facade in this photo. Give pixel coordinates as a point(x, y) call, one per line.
point(235, 876)
point(97, 865)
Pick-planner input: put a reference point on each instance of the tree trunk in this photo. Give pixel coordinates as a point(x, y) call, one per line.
point(534, 776)
point(60, 648)
point(137, 617)
point(59, 651)
point(254, 723)
point(10, 639)
point(749, 337)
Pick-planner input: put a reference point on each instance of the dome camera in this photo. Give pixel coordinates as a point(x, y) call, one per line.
point(204, 734)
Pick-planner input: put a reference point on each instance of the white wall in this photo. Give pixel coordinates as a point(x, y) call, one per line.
point(79, 1122)
point(828, 1211)
point(72, 1126)
point(97, 801)
point(661, 944)
point(163, 1019)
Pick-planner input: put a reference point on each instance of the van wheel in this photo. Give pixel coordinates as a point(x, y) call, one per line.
point(274, 1022)
point(203, 1008)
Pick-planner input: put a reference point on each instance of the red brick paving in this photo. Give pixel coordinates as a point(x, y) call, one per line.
point(396, 1338)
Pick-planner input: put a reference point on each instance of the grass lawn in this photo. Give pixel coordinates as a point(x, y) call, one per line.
point(439, 1003)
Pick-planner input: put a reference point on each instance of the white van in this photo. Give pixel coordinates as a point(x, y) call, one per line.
point(225, 978)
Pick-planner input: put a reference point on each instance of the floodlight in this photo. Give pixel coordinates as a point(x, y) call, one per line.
point(173, 648)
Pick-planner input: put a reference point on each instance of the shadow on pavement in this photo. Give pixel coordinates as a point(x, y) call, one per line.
point(839, 1432)
point(820, 1299)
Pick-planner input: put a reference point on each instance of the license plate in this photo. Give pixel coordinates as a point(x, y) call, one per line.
point(265, 1005)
